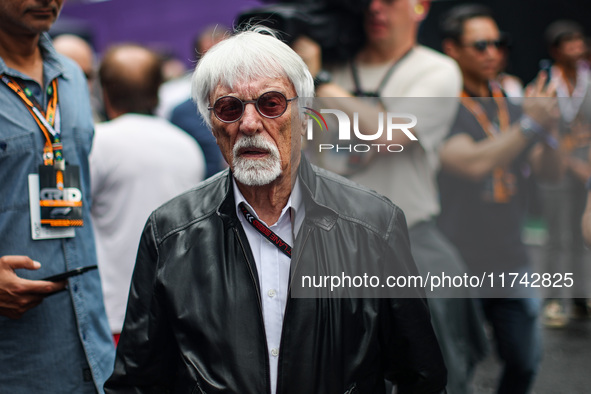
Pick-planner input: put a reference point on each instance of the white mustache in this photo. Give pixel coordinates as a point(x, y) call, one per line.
point(256, 141)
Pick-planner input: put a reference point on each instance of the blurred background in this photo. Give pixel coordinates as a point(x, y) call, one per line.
point(170, 26)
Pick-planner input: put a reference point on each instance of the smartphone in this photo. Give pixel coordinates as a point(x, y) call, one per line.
point(546, 65)
point(69, 274)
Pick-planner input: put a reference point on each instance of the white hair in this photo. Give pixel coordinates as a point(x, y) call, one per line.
point(249, 55)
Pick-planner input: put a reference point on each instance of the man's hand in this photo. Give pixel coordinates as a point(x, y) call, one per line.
point(18, 295)
point(541, 104)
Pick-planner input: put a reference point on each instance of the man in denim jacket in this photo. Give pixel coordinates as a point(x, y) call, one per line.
point(54, 335)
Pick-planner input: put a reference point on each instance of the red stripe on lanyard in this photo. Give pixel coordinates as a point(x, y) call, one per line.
point(265, 231)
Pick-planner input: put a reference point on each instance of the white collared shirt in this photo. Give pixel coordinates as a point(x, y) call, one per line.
point(273, 268)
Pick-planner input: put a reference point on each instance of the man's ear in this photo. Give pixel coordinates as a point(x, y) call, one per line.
point(422, 8)
point(450, 48)
point(304, 126)
point(110, 111)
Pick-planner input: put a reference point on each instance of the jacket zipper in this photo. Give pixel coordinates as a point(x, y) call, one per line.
point(252, 277)
point(308, 231)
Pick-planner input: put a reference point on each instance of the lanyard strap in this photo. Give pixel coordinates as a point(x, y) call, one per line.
point(480, 114)
point(503, 182)
point(48, 121)
point(378, 93)
point(265, 231)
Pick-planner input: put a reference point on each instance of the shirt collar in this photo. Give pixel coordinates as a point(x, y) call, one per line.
point(294, 204)
point(53, 66)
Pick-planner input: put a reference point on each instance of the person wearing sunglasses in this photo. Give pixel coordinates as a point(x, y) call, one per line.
point(485, 161)
point(214, 304)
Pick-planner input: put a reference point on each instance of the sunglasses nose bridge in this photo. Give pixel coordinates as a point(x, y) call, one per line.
point(495, 45)
point(245, 108)
point(250, 115)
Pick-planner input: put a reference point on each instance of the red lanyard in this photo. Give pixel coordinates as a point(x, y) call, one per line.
point(48, 121)
point(265, 231)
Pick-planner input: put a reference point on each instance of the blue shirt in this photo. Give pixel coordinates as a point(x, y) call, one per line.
point(64, 344)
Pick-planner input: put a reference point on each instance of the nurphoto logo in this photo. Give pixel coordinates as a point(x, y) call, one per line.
point(394, 123)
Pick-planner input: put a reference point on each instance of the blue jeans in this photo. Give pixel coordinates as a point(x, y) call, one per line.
point(518, 339)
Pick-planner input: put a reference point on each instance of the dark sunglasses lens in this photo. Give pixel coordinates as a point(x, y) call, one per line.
point(228, 109)
point(272, 104)
point(480, 46)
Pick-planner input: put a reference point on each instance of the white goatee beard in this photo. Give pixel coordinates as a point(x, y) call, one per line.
point(256, 172)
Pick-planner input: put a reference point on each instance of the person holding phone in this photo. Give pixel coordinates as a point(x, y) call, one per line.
point(52, 341)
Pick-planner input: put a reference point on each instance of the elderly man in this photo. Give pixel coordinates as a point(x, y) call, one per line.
point(211, 307)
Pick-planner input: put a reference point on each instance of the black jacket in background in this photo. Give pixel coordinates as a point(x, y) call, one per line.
point(194, 321)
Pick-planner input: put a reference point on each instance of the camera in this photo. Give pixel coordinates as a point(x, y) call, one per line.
point(336, 25)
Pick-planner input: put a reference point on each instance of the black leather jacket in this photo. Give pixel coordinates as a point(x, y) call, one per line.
point(194, 321)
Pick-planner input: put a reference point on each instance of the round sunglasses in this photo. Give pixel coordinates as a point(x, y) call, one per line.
point(229, 109)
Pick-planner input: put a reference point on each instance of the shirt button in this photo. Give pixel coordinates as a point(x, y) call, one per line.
point(274, 352)
point(271, 293)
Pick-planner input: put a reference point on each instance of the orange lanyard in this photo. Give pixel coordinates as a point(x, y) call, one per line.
point(503, 182)
point(476, 109)
point(48, 121)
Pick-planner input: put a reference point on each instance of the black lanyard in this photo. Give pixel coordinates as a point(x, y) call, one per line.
point(378, 93)
point(265, 231)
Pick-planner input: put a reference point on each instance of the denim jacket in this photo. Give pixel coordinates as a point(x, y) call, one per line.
point(64, 344)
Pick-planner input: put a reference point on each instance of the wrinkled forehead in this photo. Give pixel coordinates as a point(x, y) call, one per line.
point(251, 88)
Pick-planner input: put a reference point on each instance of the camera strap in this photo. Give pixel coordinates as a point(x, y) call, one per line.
point(359, 92)
point(265, 231)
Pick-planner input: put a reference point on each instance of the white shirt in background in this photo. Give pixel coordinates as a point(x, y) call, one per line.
point(137, 163)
